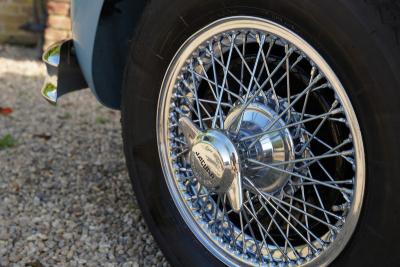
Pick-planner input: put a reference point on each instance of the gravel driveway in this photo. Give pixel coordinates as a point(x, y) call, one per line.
point(65, 196)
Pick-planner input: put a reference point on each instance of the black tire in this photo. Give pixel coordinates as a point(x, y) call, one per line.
point(360, 40)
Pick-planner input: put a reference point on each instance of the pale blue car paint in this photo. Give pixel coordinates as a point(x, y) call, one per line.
point(85, 18)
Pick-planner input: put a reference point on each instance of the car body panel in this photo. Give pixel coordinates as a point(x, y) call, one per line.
point(102, 32)
point(85, 18)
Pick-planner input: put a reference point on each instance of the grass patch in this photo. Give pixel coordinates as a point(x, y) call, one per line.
point(65, 116)
point(7, 141)
point(101, 120)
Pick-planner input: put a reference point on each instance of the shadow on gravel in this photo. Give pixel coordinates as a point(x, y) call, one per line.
point(18, 53)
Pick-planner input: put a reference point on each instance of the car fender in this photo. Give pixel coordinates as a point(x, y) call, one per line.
point(85, 17)
point(102, 30)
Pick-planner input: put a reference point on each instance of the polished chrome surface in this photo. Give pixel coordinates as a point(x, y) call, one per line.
point(251, 88)
point(49, 89)
point(274, 147)
point(63, 71)
point(51, 57)
point(214, 161)
point(189, 129)
point(52, 54)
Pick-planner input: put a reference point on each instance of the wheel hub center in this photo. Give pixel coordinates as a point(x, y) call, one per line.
point(214, 161)
point(274, 147)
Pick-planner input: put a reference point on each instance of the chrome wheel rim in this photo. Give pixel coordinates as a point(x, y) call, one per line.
point(300, 158)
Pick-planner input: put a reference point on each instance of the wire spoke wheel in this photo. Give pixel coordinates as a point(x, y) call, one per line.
point(260, 146)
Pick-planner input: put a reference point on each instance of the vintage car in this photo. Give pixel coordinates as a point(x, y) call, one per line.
point(256, 132)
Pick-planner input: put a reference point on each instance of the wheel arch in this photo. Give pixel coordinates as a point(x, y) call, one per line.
point(117, 23)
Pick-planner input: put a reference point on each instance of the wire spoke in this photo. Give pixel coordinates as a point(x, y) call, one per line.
point(351, 161)
point(303, 110)
point(334, 104)
point(327, 155)
point(216, 85)
point(238, 97)
point(196, 99)
point(305, 210)
point(242, 65)
point(301, 176)
point(287, 226)
point(310, 160)
point(252, 72)
point(214, 93)
point(298, 59)
point(287, 108)
point(242, 233)
point(267, 233)
point(258, 249)
point(288, 80)
point(197, 102)
point(297, 123)
point(223, 84)
point(288, 222)
point(264, 242)
point(345, 194)
point(265, 64)
point(299, 210)
point(320, 202)
point(328, 182)
point(250, 100)
point(285, 236)
point(211, 102)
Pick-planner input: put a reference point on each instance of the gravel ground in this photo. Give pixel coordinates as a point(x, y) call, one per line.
point(65, 196)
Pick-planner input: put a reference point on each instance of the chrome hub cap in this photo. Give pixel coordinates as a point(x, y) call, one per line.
point(260, 146)
point(214, 161)
point(274, 147)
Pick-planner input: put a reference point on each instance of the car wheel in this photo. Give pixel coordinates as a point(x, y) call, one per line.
point(263, 132)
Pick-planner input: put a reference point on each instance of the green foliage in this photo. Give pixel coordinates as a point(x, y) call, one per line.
point(7, 141)
point(101, 120)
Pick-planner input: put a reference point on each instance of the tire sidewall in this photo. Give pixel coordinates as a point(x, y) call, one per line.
point(341, 36)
